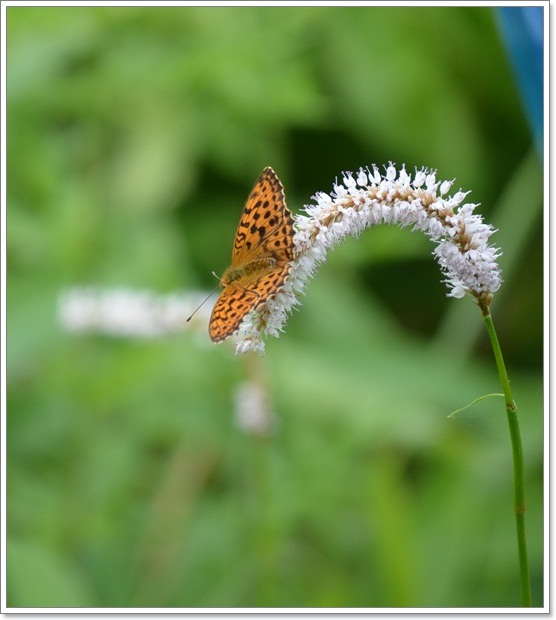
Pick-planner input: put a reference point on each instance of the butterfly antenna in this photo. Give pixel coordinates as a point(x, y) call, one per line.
point(204, 300)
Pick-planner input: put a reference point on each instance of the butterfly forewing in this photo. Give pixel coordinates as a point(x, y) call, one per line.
point(266, 223)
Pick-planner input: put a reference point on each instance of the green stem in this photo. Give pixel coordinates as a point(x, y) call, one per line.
point(517, 450)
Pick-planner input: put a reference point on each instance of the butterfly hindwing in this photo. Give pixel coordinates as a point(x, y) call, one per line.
point(237, 300)
point(230, 309)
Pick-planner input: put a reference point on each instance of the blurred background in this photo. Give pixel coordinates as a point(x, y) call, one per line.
point(166, 471)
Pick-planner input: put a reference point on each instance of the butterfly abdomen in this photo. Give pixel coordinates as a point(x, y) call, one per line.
point(258, 267)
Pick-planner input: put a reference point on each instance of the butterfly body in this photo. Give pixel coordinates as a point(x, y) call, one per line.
point(261, 256)
point(252, 269)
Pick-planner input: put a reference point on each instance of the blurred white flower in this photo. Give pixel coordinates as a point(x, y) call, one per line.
point(128, 312)
point(252, 411)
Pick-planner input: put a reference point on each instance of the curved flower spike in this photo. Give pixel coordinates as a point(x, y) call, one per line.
point(466, 260)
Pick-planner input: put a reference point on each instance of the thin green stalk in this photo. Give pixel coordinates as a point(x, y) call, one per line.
point(517, 451)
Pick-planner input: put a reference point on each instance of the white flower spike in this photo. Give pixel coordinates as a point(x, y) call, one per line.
point(366, 199)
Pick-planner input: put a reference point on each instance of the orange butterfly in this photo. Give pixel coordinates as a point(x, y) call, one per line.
point(261, 256)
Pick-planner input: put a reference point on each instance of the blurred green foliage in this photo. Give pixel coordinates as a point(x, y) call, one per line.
point(134, 136)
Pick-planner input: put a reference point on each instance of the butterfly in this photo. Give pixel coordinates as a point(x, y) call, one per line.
point(261, 256)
